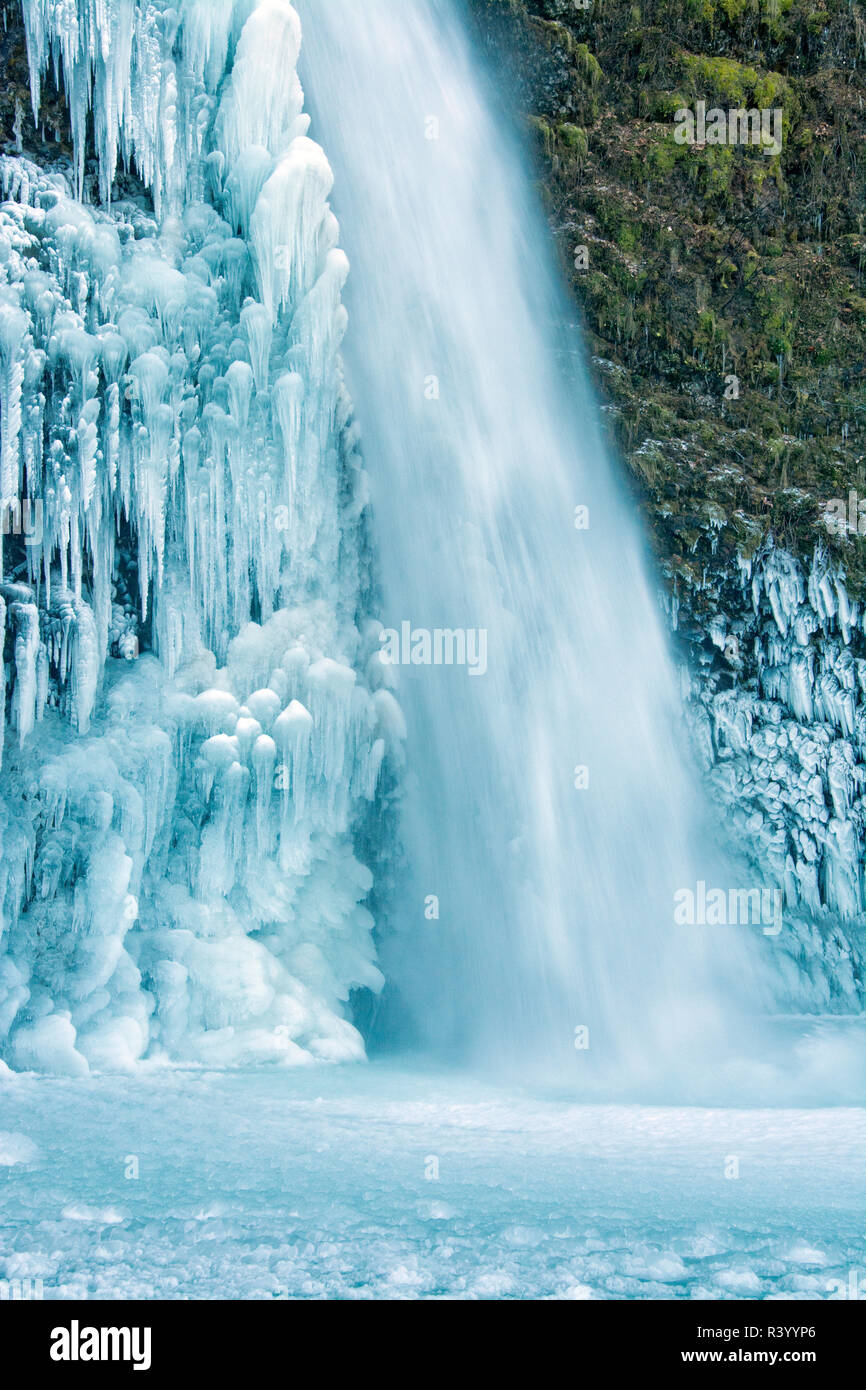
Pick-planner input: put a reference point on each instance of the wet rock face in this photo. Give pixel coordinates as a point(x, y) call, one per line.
point(48, 139)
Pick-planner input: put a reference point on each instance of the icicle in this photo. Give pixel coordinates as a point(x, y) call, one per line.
point(292, 228)
point(262, 101)
point(14, 325)
point(256, 323)
point(26, 619)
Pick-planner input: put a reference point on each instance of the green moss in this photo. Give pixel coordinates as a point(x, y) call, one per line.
point(543, 135)
point(574, 139)
point(588, 65)
point(628, 237)
point(720, 79)
point(738, 85)
point(663, 106)
point(718, 262)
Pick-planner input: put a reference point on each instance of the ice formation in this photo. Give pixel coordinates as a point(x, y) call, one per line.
point(786, 755)
point(197, 719)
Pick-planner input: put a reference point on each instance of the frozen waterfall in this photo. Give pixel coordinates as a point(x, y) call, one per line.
point(217, 702)
point(194, 744)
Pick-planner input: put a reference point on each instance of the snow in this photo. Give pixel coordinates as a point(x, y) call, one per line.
point(323, 1184)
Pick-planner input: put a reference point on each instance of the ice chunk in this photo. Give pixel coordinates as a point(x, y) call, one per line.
point(48, 1045)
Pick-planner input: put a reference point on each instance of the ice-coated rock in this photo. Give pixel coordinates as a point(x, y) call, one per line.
point(785, 750)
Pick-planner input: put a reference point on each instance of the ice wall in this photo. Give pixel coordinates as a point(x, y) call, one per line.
point(197, 716)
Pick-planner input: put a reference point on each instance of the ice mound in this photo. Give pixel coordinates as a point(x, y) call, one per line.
point(16, 1148)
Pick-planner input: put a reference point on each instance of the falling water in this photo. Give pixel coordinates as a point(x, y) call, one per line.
point(549, 811)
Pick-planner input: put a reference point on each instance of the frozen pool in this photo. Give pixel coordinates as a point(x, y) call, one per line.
point(379, 1182)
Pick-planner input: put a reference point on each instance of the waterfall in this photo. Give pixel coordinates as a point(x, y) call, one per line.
point(549, 817)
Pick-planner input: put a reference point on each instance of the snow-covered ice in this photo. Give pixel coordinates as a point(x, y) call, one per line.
point(378, 1182)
